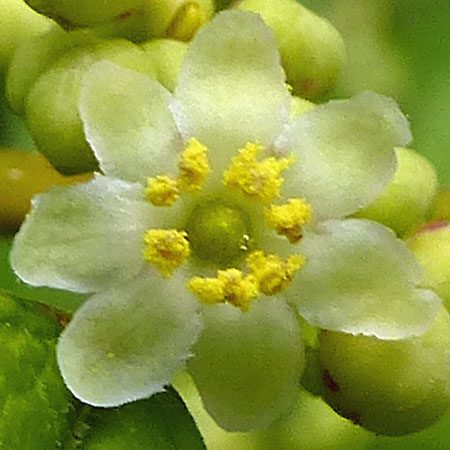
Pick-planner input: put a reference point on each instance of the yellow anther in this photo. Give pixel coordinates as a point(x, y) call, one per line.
point(260, 180)
point(166, 249)
point(287, 219)
point(208, 290)
point(239, 290)
point(230, 286)
point(162, 190)
point(194, 166)
point(271, 272)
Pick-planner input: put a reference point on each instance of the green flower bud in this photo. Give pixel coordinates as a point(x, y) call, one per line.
point(84, 13)
point(177, 19)
point(52, 104)
point(409, 197)
point(17, 23)
point(312, 50)
point(389, 387)
point(325, 429)
point(23, 175)
point(167, 56)
point(442, 205)
point(431, 247)
point(37, 54)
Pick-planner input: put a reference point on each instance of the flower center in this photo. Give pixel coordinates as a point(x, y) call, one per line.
point(219, 233)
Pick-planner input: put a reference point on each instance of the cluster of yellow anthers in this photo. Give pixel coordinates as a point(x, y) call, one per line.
point(262, 181)
point(268, 275)
point(258, 179)
point(193, 168)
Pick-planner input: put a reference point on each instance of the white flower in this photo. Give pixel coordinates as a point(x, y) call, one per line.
point(213, 277)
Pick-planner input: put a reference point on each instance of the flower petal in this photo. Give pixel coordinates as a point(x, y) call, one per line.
point(232, 87)
point(345, 152)
point(128, 123)
point(83, 237)
point(247, 365)
point(359, 278)
point(125, 344)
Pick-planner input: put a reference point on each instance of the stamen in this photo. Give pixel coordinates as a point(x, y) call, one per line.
point(166, 249)
point(230, 286)
point(287, 219)
point(162, 190)
point(259, 180)
point(194, 166)
point(271, 272)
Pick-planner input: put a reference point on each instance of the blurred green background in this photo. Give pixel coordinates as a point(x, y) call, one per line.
point(399, 48)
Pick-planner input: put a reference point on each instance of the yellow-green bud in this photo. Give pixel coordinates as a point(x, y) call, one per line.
point(17, 23)
point(37, 54)
point(84, 13)
point(409, 197)
point(177, 19)
point(51, 106)
point(389, 387)
point(312, 50)
point(442, 205)
point(167, 56)
point(23, 175)
point(431, 247)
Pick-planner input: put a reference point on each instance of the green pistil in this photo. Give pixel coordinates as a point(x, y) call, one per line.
point(218, 234)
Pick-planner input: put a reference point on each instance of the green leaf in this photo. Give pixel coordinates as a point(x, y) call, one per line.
point(159, 423)
point(10, 283)
point(37, 411)
point(36, 408)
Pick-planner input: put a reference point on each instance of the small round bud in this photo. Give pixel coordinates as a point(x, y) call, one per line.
point(389, 387)
point(177, 19)
point(312, 50)
point(17, 23)
point(167, 56)
point(84, 13)
point(431, 248)
point(37, 54)
point(52, 103)
point(442, 205)
point(408, 199)
point(188, 19)
point(23, 175)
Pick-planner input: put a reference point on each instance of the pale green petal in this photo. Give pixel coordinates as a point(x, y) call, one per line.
point(126, 344)
point(247, 366)
point(345, 153)
point(127, 122)
point(231, 87)
point(84, 237)
point(359, 278)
